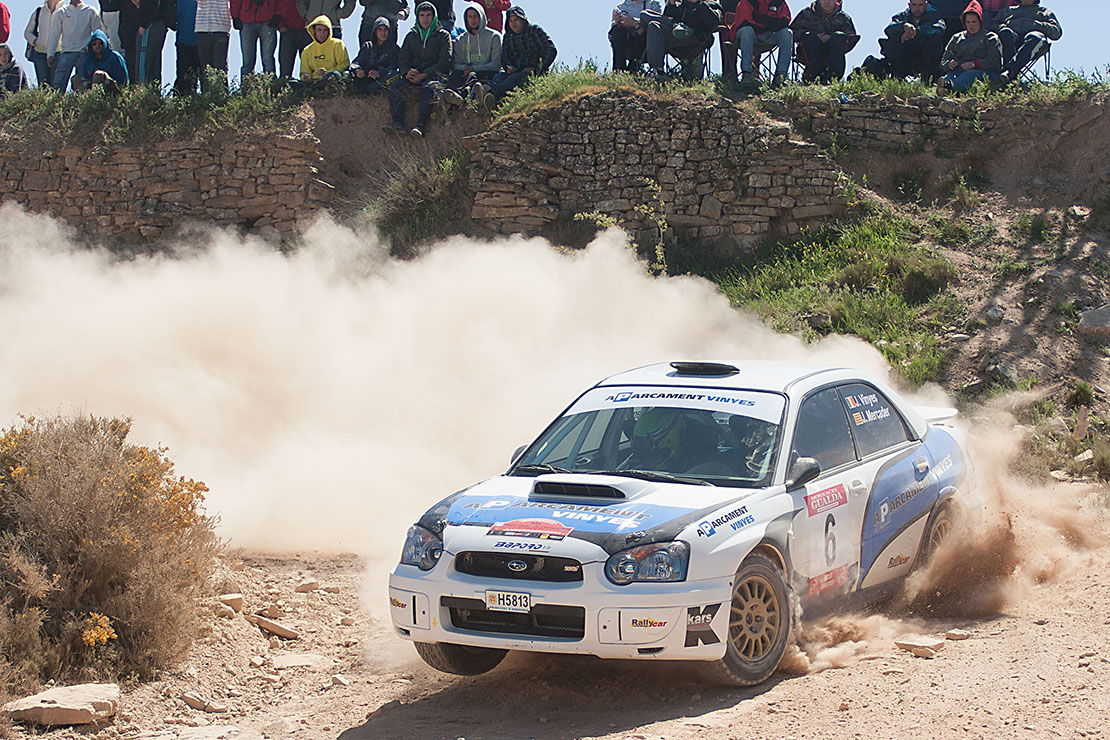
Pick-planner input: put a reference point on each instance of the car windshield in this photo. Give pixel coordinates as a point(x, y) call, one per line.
point(694, 435)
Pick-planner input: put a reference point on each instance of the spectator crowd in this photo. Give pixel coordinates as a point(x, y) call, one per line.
point(492, 48)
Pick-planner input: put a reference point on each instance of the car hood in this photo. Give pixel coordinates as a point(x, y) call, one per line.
point(609, 511)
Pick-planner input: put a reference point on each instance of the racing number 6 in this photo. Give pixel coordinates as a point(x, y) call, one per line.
point(830, 540)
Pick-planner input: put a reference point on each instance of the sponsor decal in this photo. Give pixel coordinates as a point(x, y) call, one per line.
point(647, 623)
point(571, 568)
point(860, 400)
point(859, 418)
point(764, 406)
point(521, 546)
point(541, 529)
point(486, 511)
point(699, 625)
point(736, 519)
point(397, 603)
point(626, 396)
point(830, 498)
point(888, 506)
point(897, 560)
point(836, 578)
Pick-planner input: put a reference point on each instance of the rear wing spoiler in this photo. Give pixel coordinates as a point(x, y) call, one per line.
point(936, 414)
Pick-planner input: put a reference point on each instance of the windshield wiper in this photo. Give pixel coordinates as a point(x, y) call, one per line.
point(652, 475)
point(540, 468)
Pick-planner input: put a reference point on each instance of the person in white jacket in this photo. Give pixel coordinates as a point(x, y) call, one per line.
point(70, 32)
point(37, 35)
point(627, 36)
point(476, 53)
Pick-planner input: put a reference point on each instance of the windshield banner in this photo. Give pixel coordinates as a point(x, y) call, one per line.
point(763, 406)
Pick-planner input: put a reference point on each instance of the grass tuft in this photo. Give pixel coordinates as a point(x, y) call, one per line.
point(423, 202)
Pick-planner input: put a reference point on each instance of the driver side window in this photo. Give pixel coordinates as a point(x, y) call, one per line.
point(822, 431)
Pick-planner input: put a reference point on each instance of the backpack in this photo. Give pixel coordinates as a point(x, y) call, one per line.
point(30, 53)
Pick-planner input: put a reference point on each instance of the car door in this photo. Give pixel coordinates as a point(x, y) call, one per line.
point(826, 546)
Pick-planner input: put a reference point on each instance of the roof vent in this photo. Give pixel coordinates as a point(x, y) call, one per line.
point(708, 369)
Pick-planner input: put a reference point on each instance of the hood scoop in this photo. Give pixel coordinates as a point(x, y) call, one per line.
point(593, 487)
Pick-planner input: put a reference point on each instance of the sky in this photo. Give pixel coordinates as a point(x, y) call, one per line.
point(579, 29)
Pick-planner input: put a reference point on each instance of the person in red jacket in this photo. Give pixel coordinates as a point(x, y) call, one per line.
point(5, 23)
point(495, 14)
point(765, 22)
point(257, 22)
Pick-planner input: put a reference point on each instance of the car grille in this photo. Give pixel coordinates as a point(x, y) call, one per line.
point(544, 620)
point(536, 567)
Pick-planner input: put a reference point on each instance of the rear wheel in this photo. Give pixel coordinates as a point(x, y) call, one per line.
point(462, 660)
point(939, 531)
point(760, 621)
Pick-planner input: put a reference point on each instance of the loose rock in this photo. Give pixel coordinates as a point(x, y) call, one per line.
point(235, 601)
point(276, 628)
point(957, 634)
point(66, 705)
point(309, 584)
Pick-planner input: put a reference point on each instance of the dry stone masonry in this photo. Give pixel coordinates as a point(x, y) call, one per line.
point(147, 191)
point(723, 174)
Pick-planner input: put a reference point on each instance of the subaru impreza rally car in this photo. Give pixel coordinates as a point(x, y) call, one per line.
point(684, 511)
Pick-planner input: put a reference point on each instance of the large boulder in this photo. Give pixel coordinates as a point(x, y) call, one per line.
point(66, 705)
point(1096, 322)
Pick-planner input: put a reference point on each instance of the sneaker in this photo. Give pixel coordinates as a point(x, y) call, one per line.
point(778, 81)
point(476, 92)
point(942, 87)
point(453, 98)
point(489, 100)
point(417, 132)
point(393, 128)
point(1006, 77)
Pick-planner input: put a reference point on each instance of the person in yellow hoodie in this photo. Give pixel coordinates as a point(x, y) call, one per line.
point(325, 58)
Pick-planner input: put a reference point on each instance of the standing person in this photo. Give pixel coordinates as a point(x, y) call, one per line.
point(914, 41)
point(684, 27)
point(188, 58)
point(765, 22)
point(213, 34)
point(335, 10)
point(526, 50)
point(293, 36)
point(375, 67)
point(445, 11)
point(129, 36)
point(952, 13)
point(393, 11)
point(1024, 32)
point(254, 19)
point(628, 35)
point(70, 33)
point(826, 33)
point(109, 19)
point(972, 54)
point(424, 61)
point(5, 24)
point(477, 55)
point(325, 57)
point(156, 18)
point(495, 14)
point(37, 34)
point(103, 65)
point(12, 77)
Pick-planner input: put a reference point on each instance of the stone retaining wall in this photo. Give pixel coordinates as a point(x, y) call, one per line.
point(724, 174)
point(145, 191)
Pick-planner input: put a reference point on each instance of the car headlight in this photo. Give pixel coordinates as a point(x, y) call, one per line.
point(662, 561)
point(422, 548)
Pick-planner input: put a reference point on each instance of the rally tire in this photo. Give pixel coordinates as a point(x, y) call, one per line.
point(760, 625)
point(461, 660)
point(939, 530)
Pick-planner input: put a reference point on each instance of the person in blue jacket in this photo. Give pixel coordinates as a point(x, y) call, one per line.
point(103, 65)
point(914, 41)
point(188, 58)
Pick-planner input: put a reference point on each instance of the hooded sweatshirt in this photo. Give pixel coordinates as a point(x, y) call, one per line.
point(532, 47)
point(330, 56)
point(983, 49)
point(495, 13)
point(5, 23)
point(814, 20)
point(335, 10)
point(929, 24)
point(481, 49)
point(72, 27)
point(46, 22)
point(110, 62)
point(1025, 19)
point(426, 51)
point(380, 58)
point(762, 15)
point(12, 76)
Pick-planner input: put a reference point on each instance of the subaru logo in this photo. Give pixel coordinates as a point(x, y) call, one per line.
point(518, 566)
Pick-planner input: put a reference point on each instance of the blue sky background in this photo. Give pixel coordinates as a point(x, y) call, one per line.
point(579, 29)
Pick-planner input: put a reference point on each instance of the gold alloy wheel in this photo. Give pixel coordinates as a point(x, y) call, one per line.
point(756, 618)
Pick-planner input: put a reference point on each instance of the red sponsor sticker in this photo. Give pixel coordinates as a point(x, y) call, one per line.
point(830, 498)
point(543, 529)
point(826, 581)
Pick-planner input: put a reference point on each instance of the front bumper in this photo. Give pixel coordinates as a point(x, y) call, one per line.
point(666, 621)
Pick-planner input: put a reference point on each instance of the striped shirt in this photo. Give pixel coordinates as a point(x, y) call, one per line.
point(213, 15)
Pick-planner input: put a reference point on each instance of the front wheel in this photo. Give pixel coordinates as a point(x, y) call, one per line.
point(462, 660)
point(759, 625)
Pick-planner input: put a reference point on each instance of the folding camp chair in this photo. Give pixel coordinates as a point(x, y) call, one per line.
point(1029, 72)
point(798, 70)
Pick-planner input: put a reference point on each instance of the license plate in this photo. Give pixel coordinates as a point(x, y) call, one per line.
point(508, 601)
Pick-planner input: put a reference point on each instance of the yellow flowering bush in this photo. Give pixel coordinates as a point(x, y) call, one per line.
point(103, 549)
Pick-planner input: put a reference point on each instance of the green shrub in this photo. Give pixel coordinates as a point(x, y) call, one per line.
point(910, 184)
point(1082, 394)
point(1034, 227)
point(102, 553)
point(925, 279)
point(423, 201)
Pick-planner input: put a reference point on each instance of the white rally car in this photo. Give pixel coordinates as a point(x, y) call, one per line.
point(684, 512)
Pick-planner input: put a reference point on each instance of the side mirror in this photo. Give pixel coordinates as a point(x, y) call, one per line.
point(802, 471)
point(516, 455)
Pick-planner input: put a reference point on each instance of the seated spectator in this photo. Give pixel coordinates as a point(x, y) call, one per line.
point(424, 61)
point(375, 67)
point(627, 35)
point(972, 54)
point(70, 33)
point(393, 11)
point(991, 9)
point(325, 58)
point(495, 14)
point(103, 65)
point(526, 50)
point(764, 22)
point(684, 28)
point(914, 42)
point(12, 77)
point(1024, 32)
point(827, 34)
point(477, 55)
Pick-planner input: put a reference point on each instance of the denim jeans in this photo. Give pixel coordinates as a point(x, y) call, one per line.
point(962, 79)
point(251, 36)
point(64, 64)
point(782, 39)
point(289, 49)
point(503, 83)
point(42, 71)
point(402, 90)
point(661, 41)
point(1017, 53)
point(150, 53)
